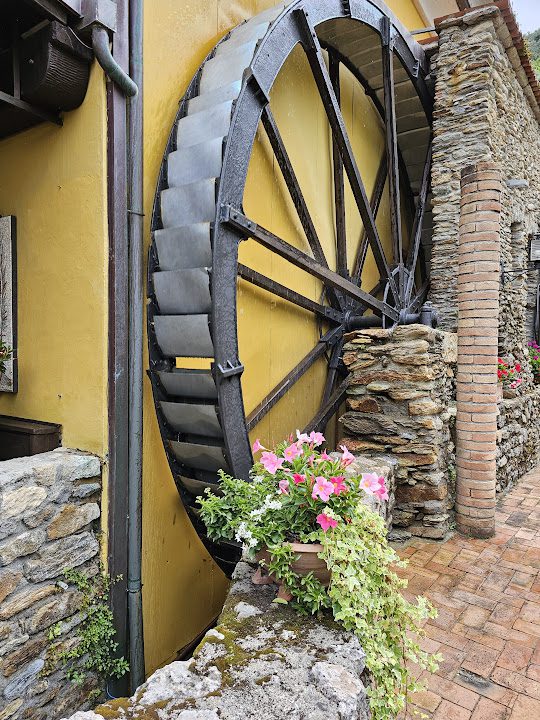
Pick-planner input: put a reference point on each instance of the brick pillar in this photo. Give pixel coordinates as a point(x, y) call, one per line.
point(478, 321)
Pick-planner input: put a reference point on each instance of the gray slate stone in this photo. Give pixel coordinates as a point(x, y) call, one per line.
point(24, 544)
point(56, 556)
point(23, 680)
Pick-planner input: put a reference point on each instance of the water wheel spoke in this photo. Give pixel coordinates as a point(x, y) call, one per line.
point(329, 408)
point(339, 186)
point(376, 198)
point(291, 378)
point(392, 155)
point(420, 297)
point(416, 234)
point(337, 124)
point(248, 228)
point(286, 293)
point(295, 191)
point(333, 366)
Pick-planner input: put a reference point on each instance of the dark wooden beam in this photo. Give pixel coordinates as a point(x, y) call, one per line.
point(329, 408)
point(416, 233)
point(286, 293)
point(248, 228)
point(287, 170)
point(376, 198)
point(283, 387)
point(339, 188)
point(392, 147)
point(337, 124)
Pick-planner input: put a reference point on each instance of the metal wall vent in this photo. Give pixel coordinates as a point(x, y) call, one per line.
point(534, 248)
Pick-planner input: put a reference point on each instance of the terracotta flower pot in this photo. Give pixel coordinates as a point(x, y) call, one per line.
point(306, 562)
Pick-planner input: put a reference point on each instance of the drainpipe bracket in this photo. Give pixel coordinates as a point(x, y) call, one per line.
point(97, 12)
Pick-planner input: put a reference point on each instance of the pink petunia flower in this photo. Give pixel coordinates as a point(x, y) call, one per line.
point(284, 487)
point(326, 522)
point(292, 452)
point(347, 458)
point(257, 446)
point(322, 488)
point(302, 437)
point(298, 478)
point(325, 456)
point(371, 483)
point(339, 484)
point(271, 462)
point(381, 492)
point(316, 438)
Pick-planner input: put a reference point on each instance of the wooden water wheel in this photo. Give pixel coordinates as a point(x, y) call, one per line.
point(314, 115)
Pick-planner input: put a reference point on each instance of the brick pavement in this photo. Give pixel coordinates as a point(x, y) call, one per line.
point(487, 593)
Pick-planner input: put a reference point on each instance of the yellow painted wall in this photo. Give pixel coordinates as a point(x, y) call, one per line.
point(183, 589)
point(54, 180)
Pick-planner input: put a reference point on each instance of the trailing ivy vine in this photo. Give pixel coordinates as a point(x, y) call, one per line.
point(365, 596)
point(95, 646)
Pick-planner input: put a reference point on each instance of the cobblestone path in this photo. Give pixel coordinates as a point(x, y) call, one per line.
point(488, 596)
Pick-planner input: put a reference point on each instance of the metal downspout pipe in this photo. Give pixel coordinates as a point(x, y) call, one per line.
point(136, 323)
point(102, 51)
point(131, 88)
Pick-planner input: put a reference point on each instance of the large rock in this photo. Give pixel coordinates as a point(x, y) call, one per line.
point(63, 605)
point(261, 662)
point(22, 500)
point(25, 599)
point(71, 519)
point(24, 544)
point(8, 582)
point(24, 678)
point(56, 556)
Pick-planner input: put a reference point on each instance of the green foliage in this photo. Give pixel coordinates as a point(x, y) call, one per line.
point(365, 594)
point(365, 597)
point(533, 43)
point(94, 650)
point(5, 354)
point(281, 505)
point(293, 491)
point(309, 596)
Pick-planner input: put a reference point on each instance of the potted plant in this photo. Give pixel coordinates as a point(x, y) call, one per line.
point(509, 377)
point(301, 516)
point(534, 359)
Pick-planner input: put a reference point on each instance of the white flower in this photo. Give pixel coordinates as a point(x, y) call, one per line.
point(243, 533)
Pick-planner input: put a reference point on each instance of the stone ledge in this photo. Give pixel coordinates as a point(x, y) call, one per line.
point(261, 661)
point(49, 505)
point(71, 464)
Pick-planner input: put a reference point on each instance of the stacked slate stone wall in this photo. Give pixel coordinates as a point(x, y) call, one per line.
point(518, 440)
point(485, 111)
point(49, 505)
point(401, 403)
